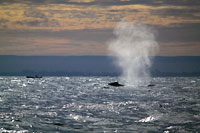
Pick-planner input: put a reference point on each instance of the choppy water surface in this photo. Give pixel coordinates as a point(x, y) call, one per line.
point(88, 104)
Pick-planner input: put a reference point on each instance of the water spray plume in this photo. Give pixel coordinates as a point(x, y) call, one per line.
point(132, 48)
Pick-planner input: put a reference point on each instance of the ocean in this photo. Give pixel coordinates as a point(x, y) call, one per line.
point(88, 105)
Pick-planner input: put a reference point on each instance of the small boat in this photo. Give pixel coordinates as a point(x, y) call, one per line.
point(115, 84)
point(36, 76)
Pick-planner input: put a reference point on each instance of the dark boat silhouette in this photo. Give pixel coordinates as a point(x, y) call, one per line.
point(36, 76)
point(115, 84)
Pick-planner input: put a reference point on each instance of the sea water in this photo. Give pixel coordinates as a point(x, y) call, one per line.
point(88, 104)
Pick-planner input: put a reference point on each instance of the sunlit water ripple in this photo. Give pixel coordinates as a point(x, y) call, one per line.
point(88, 104)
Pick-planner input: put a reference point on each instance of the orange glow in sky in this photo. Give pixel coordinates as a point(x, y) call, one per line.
point(55, 28)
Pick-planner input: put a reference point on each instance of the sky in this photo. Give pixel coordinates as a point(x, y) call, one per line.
point(84, 27)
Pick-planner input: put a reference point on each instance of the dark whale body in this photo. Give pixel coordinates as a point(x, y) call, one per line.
point(150, 85)
point(115, 84)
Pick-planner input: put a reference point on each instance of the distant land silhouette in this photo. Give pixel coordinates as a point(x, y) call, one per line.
point(92, 66)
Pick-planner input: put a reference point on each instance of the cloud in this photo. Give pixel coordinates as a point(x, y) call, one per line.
point(29, 23)
point(86, 25)
point(56, 47)
point(76, 17)
point(188, 13)
point(3, 23)
point(44, 23)
point(108, 2)
point(181, 33)
point(180, 49)
point(53, 43)
point(34, 13)
point(91, 42)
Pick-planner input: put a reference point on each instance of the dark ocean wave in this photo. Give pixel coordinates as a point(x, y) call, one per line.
point(89, 104)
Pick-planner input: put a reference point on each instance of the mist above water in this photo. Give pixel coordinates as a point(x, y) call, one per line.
point(132, 47)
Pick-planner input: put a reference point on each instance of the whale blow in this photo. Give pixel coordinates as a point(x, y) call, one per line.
point(133, 48)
